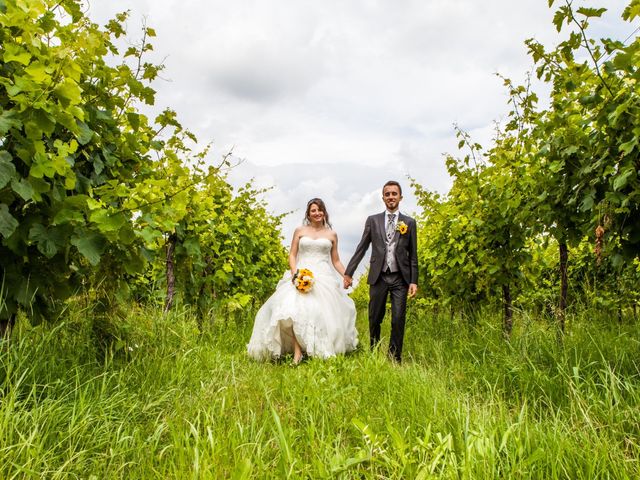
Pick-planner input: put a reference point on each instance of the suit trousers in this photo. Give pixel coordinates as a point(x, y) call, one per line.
point(393, 284)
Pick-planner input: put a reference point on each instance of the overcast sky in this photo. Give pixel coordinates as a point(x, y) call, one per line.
point(332, 98)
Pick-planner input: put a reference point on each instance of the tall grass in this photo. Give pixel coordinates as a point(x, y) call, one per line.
point(154, 397)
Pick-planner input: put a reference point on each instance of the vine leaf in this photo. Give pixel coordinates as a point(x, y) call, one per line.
point(8, 224)
point(91, 246)
point(7, 169)
point(23, 188)
point(8, 120)
point(46, 242)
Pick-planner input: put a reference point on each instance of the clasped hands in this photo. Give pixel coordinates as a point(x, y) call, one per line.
point(347, 282)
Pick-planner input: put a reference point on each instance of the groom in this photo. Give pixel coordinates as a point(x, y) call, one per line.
point(393, 268)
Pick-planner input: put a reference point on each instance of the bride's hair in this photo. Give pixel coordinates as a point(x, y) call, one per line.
point(320, 204)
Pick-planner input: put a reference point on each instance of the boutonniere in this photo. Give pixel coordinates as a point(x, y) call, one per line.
point(402, 227)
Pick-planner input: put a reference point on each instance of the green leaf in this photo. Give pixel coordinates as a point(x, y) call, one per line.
point(617, 260)
point(33, 131)
point(93, 204)
point(559, 18)
point(73, 9)
point(134, 120)
point(134, 264)
point(15, 53)
point(556, 166)
point(98, 164)
point(38, 72)
point(8, 121)
point(68, 92)
point(7, 169)
point(76, 201)
point(8, 223)
point(68, 216)
point(587, 203)
point(107, 221)
point(91, 246)
point(632, 11)
point(150, 235)
point(43, 169)
point(39, 186)
point(192, 247)
point(70, 181)
point(104, 115)
point(621, 180)
point(244, 299)
point(127, 235)
point(221, 277)
point(85, 134)
point(591, 12)
point(45, 240)
point(627, 147)
point(23, 188)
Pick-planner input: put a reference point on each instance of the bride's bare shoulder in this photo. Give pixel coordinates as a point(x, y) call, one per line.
point(333, 235)
point(301, 230)
point(297, 233)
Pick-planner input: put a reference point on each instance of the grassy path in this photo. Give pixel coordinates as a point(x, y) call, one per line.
point(171, 403)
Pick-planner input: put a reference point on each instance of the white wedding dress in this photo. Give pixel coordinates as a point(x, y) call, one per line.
point(322, 319)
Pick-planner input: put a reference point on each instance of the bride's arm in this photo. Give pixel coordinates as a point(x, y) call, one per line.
point(335, 257)
point(293, 251)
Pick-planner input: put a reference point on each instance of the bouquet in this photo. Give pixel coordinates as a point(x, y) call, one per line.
point(303, 280)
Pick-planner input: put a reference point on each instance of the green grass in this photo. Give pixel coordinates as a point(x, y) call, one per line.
point(152, 397)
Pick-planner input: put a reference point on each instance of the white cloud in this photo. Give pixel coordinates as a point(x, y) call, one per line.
point(333, 98)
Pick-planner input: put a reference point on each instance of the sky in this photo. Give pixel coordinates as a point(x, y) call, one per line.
point(333, 98)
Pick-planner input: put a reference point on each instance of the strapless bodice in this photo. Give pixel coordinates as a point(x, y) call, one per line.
point(314, 252)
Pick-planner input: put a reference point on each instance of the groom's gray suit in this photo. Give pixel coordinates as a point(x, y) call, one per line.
point(382, 281)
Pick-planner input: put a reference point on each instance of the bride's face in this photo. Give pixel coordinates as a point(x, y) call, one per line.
point(315, 214)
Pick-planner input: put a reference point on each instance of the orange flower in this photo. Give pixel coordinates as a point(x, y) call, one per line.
point(402, 227)
point(303, 280)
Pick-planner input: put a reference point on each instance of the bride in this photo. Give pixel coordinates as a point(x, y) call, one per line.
point(320, 321)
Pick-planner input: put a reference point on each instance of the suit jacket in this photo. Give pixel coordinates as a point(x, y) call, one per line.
point(375, 235)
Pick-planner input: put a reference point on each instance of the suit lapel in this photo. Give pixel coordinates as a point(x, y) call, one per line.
point(382, 228)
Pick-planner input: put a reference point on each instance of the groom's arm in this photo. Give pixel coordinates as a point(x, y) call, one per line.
point(361, 249)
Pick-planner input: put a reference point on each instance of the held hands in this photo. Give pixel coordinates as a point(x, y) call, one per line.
point(347, 281)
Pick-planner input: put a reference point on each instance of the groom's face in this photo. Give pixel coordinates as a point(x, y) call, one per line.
point(391, 197)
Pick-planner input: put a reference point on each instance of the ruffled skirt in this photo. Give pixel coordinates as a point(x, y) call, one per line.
point(323, 320)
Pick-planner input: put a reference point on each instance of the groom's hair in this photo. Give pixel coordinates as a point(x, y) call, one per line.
point(392, 183)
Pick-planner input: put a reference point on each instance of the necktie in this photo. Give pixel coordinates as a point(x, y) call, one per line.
point(391, 226)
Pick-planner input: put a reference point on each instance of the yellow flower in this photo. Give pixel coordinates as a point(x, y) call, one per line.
point(303, 280)
point(402, 227)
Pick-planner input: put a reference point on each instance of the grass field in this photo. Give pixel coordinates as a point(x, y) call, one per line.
point(156, 398)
